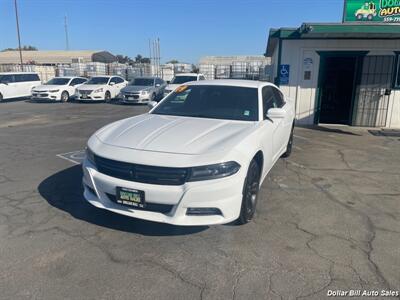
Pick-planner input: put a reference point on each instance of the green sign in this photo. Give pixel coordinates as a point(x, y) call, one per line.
point(383, 11)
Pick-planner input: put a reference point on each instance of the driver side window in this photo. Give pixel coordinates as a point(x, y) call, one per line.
point(268, 99)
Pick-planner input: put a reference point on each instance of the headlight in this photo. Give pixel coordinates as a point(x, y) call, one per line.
point(144, 92)
point(213, 171)
point(98, 90)
point(53, 91)
point(90, 156)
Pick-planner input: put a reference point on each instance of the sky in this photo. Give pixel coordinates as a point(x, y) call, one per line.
point(187, 29)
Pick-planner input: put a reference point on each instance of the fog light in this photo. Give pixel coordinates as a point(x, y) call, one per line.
point(203, 211)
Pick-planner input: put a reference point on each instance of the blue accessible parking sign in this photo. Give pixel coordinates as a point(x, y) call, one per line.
point(284, 71)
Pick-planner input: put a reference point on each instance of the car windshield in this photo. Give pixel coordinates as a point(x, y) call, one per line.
point(211, 101)
point(183, 79)
point(142, 81)
point(98, 80)
point(58, 81)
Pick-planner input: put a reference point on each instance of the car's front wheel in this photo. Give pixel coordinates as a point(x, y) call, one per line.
point(250, 193)
point(1, 97)
point(64, 96)
point(107, 96)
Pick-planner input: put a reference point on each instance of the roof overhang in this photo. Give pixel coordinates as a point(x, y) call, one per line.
point(333, 31)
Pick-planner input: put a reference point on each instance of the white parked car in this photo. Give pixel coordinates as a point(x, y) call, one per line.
point(101, 88)
point(181, 79)
point(57, 89)
point(17, 84)
point(197, 158)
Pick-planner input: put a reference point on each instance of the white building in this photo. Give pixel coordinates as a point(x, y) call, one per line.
point(339, 73)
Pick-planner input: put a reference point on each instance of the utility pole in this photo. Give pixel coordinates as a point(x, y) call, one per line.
point(19, 37)
point(66, 33)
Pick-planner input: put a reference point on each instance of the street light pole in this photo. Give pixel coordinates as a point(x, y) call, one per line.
point(19, 37)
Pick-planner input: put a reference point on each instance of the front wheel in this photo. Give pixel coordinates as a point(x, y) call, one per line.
point(289, 145)
point(1, 97)
point(107, 96)
point(64, 96)
point(250, 193)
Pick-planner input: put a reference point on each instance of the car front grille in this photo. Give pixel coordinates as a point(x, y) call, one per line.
point(85, 92)
point(127, 96)
point(141, 173)
point(153, 207)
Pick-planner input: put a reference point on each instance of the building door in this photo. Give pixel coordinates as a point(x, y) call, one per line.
point(337, 87)
point(373, 93)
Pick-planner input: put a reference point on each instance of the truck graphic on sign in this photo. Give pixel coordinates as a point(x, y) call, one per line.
point(367, 11)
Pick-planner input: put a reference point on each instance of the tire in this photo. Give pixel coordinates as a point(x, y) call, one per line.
point(1, 97)
point(370, 17)
point(289, 145)
point(153, 97)
point(107, 96)
point(359, 17)
point(250, 194)
point(64, 96)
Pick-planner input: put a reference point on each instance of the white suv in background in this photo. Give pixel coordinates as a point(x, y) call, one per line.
point(100, 88)
point(57, 89)
point(180, 79)
point(17, 84)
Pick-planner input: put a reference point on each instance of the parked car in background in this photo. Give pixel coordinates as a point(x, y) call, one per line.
point(17, 84)
point(101, 88)
point(143, 90)
point(57, 89)
point(182, 78)
point(198, 157)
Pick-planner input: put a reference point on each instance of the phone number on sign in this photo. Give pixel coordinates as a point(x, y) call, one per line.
point(391, 19)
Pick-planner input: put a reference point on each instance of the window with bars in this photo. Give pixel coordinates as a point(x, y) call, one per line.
point(397, 72)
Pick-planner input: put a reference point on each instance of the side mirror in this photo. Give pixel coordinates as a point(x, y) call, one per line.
point(112, 83)
point(276, 113)
point(152, 104)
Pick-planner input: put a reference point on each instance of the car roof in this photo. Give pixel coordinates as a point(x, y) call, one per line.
point(187, 74)
point(232, 82)
point(147, 77)
point(12, 73)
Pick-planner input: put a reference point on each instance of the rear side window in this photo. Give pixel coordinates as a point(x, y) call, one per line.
point(26, 77)
point(279, 99)
point(7, 78)
point(268, 99)
point(201, 77)
point(118, 80)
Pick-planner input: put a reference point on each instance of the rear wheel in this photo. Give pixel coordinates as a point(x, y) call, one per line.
point(64, 96)
point(289, 145)
point(107, 96)
point(153, 97)
point(250, 193)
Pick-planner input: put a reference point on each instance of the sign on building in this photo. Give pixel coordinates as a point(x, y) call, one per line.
point(383, 11)
point(284, 72)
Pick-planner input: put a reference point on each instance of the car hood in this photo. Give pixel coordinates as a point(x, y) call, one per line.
point(136, 88)
point(43, 88)
point(86, 87)
point(173, 134)
point(172, 87)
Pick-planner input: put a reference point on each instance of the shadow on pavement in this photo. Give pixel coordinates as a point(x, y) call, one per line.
point(63, 190)
point(328, 129)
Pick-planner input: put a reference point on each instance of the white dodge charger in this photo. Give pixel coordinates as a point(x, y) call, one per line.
point(197, 158)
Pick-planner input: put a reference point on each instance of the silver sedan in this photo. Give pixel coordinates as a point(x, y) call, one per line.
point(143, 90)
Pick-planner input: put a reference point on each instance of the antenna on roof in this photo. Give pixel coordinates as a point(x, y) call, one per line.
point(66, 33)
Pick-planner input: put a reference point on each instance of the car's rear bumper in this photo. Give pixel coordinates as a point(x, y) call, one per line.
point(224, 195)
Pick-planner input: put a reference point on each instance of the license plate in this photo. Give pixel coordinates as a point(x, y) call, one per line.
point(130, 98)
point(130, 197)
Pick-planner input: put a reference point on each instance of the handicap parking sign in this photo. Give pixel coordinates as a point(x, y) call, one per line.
point(284, 72)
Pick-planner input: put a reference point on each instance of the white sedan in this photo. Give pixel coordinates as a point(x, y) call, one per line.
point(100, 88)
point(57, 89)
point(197, 158)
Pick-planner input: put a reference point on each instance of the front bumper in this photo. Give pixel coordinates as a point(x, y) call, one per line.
point(223, 194)
point(45, 96)
point(90, 97)
point(135, 98)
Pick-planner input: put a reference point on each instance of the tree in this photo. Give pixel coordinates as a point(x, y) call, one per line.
point(140, 59)
point(173, 61)
point(23, 48)
point(123, 59)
